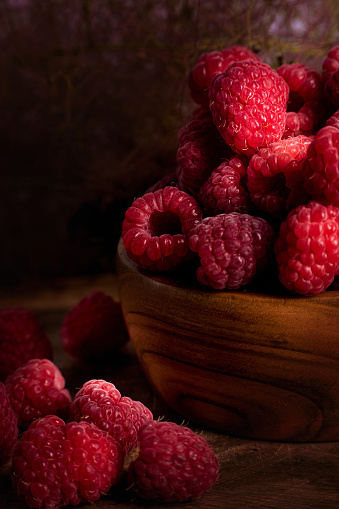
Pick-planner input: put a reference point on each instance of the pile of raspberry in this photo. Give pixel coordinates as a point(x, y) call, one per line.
point(256, 188)
point(61, 450)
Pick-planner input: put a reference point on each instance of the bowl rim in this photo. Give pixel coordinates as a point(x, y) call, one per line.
point(165, 280)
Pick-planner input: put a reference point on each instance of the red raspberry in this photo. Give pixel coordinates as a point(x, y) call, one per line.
point(304, 121)
point(101, 403)
point(307, 248)
point(37, 389)
point(56, 464)
point(276, 170)
point(248, 104)
point(333, 120)
point(330, 76)
point(94, 327)
point(174, 464)
point(8, 426)
point(233, 248)
point(22, 338)
point(155, 227)
point(209, 64)
point(303, 82)
point(321, 169)
point(200, 150)
point(225, 190)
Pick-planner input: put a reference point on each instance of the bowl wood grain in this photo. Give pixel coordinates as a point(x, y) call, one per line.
point(254, 365)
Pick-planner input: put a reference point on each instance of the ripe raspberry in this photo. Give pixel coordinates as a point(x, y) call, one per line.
point(21, 338)
point(306, 120)
point(101, 403)
point(303, 82)
point(333, 120)
point(307, 248)
point(276, 170)
point(200, 150)
point(321, 169)
point(94, 327)
point(155, 227)
point(56, 464)
point(248, 104)
point(37, 389)
point(209, 64)
point(8, 426)
point(174, 464)
point(226, 190)
point(330, 76)
point(233, 248)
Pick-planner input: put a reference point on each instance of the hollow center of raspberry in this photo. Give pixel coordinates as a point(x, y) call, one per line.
point(164, 222)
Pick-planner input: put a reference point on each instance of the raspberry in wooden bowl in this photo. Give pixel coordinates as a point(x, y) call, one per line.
point(258, 365)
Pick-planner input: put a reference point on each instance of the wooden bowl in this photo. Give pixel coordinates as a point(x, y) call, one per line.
point(248, 364)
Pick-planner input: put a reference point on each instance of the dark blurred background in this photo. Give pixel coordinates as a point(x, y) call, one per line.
point(92, 95)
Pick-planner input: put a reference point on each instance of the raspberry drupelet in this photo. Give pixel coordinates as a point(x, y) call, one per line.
point(9, 431)
point(174, 464)
point(248, 103)
point(57, 464)
point(307, 248)
point(37, 389)
point(275, 175)
point(233, 249)
point(209, 64)
point(22, 337)
point(155, 227)
point(100, 402)
point(226, 189)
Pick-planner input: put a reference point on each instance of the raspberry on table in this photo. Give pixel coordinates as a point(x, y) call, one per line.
point(321, 169)
point(211, 63)
point(22, 337)
point(226, 189)
point(94, 327)
point(248, 103)
point(37, 389)
point(275, 171)
point(174, 464)
point(9, 431)
point(155, 226)
point(57, 464)
point(233, 249)
point(100, 402)
point(307, 248)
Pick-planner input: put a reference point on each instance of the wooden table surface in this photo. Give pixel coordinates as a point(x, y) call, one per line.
point(253, 474)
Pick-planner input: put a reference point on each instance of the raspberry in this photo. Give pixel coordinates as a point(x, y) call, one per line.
point(225, 190)
point(274, 171)
point(321, 169)
point(21, 338)
point(304, 121)
point(8, 426)
point(56, 464)
point(101, 403)
point(233, 248)
point(200, 150)
point(155, 227)
point(209, 64)
point(330, 76)
point(174, 464)
point(303, 82)
point(248, 104)
point(333, 120)
point(94, 327)
point(307, 248)
point(37, 389)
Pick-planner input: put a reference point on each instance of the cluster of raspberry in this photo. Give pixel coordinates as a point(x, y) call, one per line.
point(257, 178)
point(61, 450)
